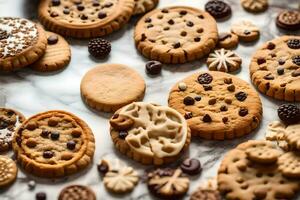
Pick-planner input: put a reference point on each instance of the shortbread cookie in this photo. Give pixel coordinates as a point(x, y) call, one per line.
point(228, 40)
point(85, 18)
point(288, 19)
point(108, 87)
point(176, 34)
point(245, 30)
point(8, 171)
point(54, 144)
point(223, 60)
point(217, 105)
point(255, 5)
point(218, 9)
point(143, 6)
point(10, 120)
point(157, 135)
point(74, 192)
point(276, 132)
point(57, 55)
point(274, 68)
point(168, 183)
point(241, 178)
point(292, 136)
point(22, 42)
point(289, 164)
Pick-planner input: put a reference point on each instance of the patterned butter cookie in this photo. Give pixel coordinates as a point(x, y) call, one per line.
point(255, 5)
point(168, 183)
point(57, 55)
point(85, 18)
point(223, 60)
point(292, 136)
point(275, 68)
point(10, 120)
point(22, 42)
point(206, 194)
point(143, 6)
point(217, 105)
point(228, 40)
point(108, 87)
point(74, 192)
point(8, 171)
point(176, 34)
point(158, 135)
point(276, 132)
point(289, 164)
point(288, 19)
point(241, 178)
point(245, 30)
point(54, 144)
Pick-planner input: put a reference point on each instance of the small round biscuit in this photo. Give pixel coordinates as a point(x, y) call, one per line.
point(73, 192)
point(289, 164)
point(57, 55)
point(289, 20)
point(8, 171)
point(245, 30)
point(228, 40)
point(206, 194)
point(108, 87)
point(143, 6)
point(255, 5)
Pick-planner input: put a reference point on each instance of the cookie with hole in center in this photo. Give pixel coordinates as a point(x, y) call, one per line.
point(217, 105)
point(275, 68)
point(54, 144)
point(85, 18)
point(176, 34)
point(153, 134)
point(143, 6)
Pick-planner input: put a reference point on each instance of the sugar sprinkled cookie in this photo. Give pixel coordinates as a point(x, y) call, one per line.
point(150, 134)
point(22, 42)
point(85, 18)
point(54, 144)
point(274, 68)
point(255, 5)
point(246, 30)
point(73, 192)
point(176, 34)
point(8, 171)
point(217, 105)
point(57, 55)
point(143, 6)
point(108, 87)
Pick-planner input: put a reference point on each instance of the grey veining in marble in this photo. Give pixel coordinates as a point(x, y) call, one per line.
point(31, 92)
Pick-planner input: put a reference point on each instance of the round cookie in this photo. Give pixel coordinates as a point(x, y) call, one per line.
point(218, 9)
point(289, 20)
point(85, 18)
point(255, 5)
point(292, 136)
point(10, 120)
point(22, 42)
point(223, 60)
point(245, 30)
point(57, 55)
point(228, 40)
point(274, 68)
point(217, 105)
point(108, 87)
point(176, 34)
point(8, 171)
point(54, 144)
point(74, 192)
point(156, 135)
point(143, 6)
point(289, 164)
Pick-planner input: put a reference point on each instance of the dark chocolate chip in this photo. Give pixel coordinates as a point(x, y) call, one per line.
point(231, 88)
point(228, 101)
point(261, 61)
point(48, 154)
point(54, 14)
point(197, 98)
point(171, 22)
point(223, 108)
point(41, 196)
point(103, 168)
point(197, 39)
point(190, 24)
point(207, 118)
point(148, 20)
point(102, 15)
point(66, 11)
point(143, 37)
point(176, 45)
point(212, 101)
point(71, 145)
point(191, 166)
point(80, 7)
point(183, 12)
point(225, 120)
point(224, 36)
point(205, 78)
point(228, 80)
point(188, 115)
point(280, 70)
point(150, 25)
point(241, 96)
point(153, 67)
point(45, 133)
point(164, 10)
point(243, 112)
point(207, 87)
point(188, 101)
point(166, 28)
point(269, 77)
point(123, 134)
point(96, 3)
point(281, 62)
point(296, 60)
point(55, 2)
point(52, 39)
point(84, 17)
point(108, 4)
point(54, 135)
point(293, 43)
point(271, 46)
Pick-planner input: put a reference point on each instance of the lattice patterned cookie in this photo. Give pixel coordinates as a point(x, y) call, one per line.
point(292, 136)
point(157, 135)
point(143, 6)
point(85, 18)
point(8, 171)
point(54, 144)
point(176, 34)
point(289, 164)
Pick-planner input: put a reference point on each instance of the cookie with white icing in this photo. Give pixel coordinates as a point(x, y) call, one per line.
point(153, 134)
point(22, 42)
point(143, 6)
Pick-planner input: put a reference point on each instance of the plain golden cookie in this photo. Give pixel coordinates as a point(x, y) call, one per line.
point(228, 40)
point(245, 30)
point(255, 5)
point(143, 6)
point(8, 171)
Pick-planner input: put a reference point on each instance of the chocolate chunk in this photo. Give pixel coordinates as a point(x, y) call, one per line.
point(261, 61)
point(218, 9)
point(123, 134)
point(54, 135)
point(153, 67)
point(164, 10)
point(296, 60)
point(66, 11)
point(31, 126)
point(243, 112)
point(207, 118)
point(271, 46)
point(269, 77)
point(224, 36)
point(188, 101)
point(212, 101)
point(241, 96)
point(143, 37)
point(197, 39)
point(71, 145)
point(84, 17)
point(103, 168)
point(197, 98)
point(228, 80)
point(55, 2)
point(76, 133)
point(225, 120)
point(171, 22)
point(281, 62)
point(296, 73)
point(176, 45)
point(45, 133)
point(190, 24)
point(205, 78)
point(191, 166)
point(102, 15)
point(52, 39)
point(54, 14)
point(48, 154)
point(41, 196)
point(280, 70)
point(108, 5)
point(228, 101)
point(99, 47)
point(148, 20)
point(80, 7)
point(183, 12)
point(207, 87)
point(289, 113)
point(293, 43)
point(96, 3)
point(231, 88)
point(223, 108)
point(188, 115)
point(150, 25)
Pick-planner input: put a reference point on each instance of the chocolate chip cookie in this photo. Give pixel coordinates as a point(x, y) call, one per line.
point(217, 105)
point(85, 18)
point(54, 144)
point(275, 68)
point(176, 34)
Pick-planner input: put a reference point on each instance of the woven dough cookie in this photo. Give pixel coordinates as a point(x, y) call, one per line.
point(54, 144)
point(57, 55)
point(176, 34)
point(289, 164)
point(143, 6)
point(85, 18)
point(217, 105)
point(255, 5)
point(275, 68)
point(8, 171)
point(245, 30)
point(22, 42)
point(10, 120)
point(74, 192)
point(108, 87)
point(241, 178)
point(157, 135)
point(228, 40)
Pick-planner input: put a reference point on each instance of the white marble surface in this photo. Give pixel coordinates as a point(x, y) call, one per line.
point(31, 92)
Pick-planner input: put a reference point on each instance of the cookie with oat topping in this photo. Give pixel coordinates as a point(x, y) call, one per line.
point(54, 144)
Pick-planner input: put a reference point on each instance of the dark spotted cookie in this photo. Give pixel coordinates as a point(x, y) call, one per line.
point(288, 19)
point(217, 105)
point(275, 68)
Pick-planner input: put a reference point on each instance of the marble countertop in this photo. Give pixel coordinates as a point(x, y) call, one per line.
point(31, 92)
